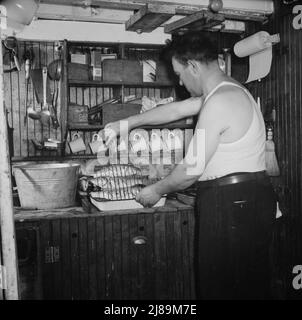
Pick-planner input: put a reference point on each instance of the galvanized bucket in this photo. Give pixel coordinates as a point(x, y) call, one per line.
point(47, 185)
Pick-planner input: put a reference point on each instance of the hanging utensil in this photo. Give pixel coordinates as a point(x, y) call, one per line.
point(45, 113)
point(30, 112)
point(27, 67)
point(11, 45)
point(55, 73)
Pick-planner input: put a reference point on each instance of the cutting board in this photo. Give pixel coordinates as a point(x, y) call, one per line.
point(122, 204)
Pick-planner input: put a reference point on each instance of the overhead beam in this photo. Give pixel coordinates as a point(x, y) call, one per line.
point(149, 18)
point(264, 7)
point(201, 20)
point(76, 13)
point(229, 14)
point(50, 30)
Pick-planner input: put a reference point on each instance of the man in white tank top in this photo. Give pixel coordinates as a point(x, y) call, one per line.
point(235, 201)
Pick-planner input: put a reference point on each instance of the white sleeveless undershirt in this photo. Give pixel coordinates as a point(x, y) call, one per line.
point(244, 155)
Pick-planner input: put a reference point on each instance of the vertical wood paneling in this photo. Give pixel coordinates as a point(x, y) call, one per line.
point(185, 253)
point(160, 256)
point(109, 260)
point(57, 265)
point(101, 254)
point(47, 275)
point(149, 288)
point(117, 257)
point(65, 257)
point(172, 247)
point(126, 281)
point(15, 96)
point(133, 259)
point(75, 263)
point(92, 259)
point(282, 89)
point(83, 258)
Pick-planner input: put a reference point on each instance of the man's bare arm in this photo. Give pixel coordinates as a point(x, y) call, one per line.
point(203, 145)
point(159, 115)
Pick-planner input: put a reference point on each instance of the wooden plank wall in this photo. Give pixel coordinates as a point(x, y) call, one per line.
point(99, 258)
point(15, 91)
point(91, 96)
point(281, 90)
point(44, 53)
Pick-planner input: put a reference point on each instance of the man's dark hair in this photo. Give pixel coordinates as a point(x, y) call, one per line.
point(192, 46)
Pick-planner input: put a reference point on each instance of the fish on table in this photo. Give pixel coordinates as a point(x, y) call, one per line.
point(117, 194)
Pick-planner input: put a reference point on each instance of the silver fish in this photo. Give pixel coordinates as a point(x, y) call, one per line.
point(118, 170)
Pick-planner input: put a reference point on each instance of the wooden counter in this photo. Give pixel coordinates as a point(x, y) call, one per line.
point(31, 215)
point(126, 254)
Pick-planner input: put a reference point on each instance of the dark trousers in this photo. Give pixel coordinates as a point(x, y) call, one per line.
point(233, 233)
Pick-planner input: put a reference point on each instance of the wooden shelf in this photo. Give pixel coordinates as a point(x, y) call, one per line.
point(80, 156)
point(85, 127)
point(88, 127)
point(93, 83)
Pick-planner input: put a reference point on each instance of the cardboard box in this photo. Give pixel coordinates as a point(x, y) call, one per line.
point(82, 58)
point(97, 57)
point(126, 71)
point(78, 71)
point(77, 114)
point(97, 73)
point(117, 111)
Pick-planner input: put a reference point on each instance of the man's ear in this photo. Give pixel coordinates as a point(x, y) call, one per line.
point(194, 66)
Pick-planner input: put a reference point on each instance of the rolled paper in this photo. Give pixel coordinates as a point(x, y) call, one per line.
point(253, 44)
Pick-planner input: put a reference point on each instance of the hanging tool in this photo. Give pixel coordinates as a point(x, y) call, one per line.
point(30, 112)
point(27, 68)
point(45, 113)
point(272, 167)
point(11, 45)
point(55, 73)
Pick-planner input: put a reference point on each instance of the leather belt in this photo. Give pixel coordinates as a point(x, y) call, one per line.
point(234, 178)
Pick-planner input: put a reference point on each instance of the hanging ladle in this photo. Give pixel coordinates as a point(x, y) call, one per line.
point(45, 113)
point(30, 112)
point(55, 73)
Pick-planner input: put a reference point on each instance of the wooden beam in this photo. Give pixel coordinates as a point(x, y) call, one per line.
point(229, 14)
point(264, 6)
point(76, 13)
point(50, 30)
point(201, 20)
point(7, 224)
point(248, 10)
point(149, 18)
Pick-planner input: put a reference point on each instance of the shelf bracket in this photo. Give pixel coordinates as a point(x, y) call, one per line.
point(149, 18)
point(201, 20)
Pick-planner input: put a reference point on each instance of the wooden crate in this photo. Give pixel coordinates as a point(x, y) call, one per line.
point(77, 114)
point(126, 71)
point(117, 111)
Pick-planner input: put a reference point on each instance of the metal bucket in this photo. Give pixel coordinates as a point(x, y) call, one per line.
point(47, 185)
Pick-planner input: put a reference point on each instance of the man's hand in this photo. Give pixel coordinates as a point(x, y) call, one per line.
point(148, 196)
point(110, 132)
